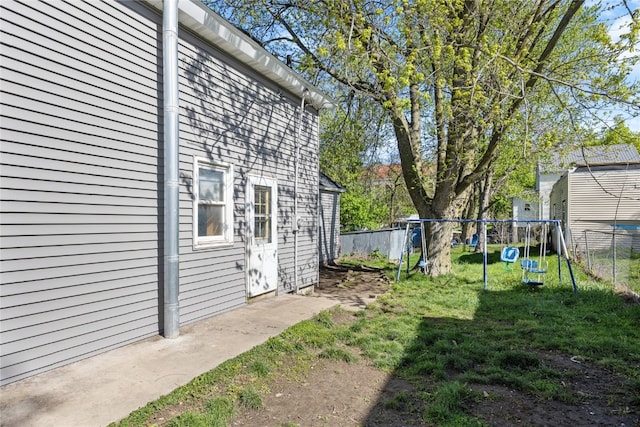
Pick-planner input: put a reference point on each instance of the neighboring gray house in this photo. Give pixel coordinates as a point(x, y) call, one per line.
point(83, 256)
point(600, 191)
point(329, 218)
point(549, 171)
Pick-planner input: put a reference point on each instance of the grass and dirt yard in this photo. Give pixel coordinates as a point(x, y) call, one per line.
point(431, 352)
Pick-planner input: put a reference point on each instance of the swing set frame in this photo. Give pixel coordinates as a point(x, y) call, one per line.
point(562, 250)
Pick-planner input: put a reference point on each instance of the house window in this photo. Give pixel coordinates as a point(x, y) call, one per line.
point(212, 207)
point(527, 206)
point(262, 221)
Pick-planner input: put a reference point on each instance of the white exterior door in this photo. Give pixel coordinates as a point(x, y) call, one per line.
point(262, 236)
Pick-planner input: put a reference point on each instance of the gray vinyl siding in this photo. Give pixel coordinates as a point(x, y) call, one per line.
point(232, 116)
point(545, 183)
point(601, 198)
point(81, 178)
point(591, 203)
point(558, 194)
point(329, 228)
point(79, 194)
point(308, 212)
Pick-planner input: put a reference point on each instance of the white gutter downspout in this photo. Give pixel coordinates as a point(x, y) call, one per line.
point(171, 184)
point(296, 217)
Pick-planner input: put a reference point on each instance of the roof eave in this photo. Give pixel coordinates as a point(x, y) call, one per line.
point(212, 27)
point(332, 190)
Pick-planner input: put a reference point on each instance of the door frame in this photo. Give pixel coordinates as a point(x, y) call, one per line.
point(252, 182)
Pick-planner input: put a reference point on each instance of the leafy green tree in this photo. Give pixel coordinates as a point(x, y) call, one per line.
point(359, 212)
point(348, 143)
point(455, 77)
point(513, 174)
point(341, 148)
point(619, 133)
point(392, 193)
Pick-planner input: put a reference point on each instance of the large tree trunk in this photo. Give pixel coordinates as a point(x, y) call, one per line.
point(439, 247)
point(408, 138)
point(459, 163)
point(441, 232)
point(468, 228)
point(486, 187)
point(445, 204)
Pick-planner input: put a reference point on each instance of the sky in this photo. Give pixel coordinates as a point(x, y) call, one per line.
point(619, 20)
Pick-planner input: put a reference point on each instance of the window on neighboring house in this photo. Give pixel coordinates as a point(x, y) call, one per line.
point(262, 201)
point(213, 204)
point(527, 206)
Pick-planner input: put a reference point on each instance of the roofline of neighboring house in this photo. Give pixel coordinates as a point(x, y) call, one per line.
point(622, 166)
point(564, 162)
point(207, 24)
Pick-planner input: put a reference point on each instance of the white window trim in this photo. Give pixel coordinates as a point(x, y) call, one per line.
point(227, 236)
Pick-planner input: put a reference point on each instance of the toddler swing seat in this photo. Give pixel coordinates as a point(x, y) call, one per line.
point(531, 267)
point(533, 271)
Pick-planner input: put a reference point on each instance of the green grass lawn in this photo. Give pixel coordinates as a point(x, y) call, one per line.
point(627, 268)
point(451, 323)
point(444, 332)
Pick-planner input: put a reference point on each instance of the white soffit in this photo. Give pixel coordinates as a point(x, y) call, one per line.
point(194, 15)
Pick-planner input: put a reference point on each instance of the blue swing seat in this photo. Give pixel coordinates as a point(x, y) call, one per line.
point(532, 282)
point(474, 241)
point(509, 254)
point(530, 266)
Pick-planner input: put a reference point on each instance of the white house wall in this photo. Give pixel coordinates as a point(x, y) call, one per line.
point(545, 184)
point(522, 210)
point(81, 169)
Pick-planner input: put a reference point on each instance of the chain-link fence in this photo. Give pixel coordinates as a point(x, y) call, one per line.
point(613, 256)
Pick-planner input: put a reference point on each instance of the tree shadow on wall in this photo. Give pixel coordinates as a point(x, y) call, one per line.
point(232, 117)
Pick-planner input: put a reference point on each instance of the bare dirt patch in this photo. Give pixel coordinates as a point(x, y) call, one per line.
point(600, 400)
point(336, 393)
point(332, 394)
point(353, 287)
